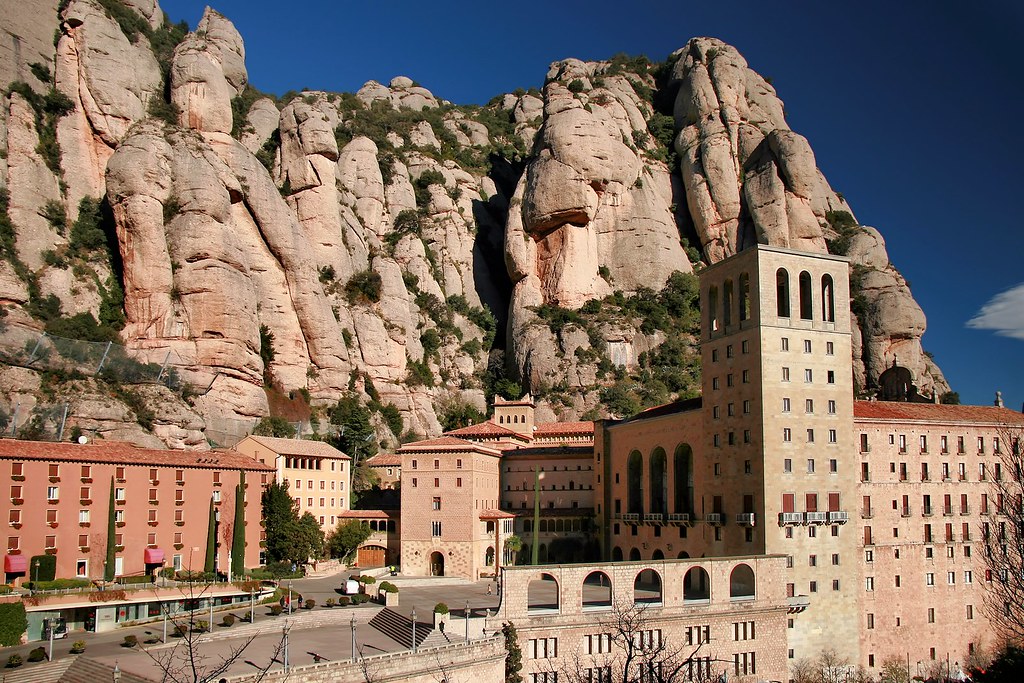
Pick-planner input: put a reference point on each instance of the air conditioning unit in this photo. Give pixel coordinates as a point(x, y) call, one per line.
point(791, 518)
point(817, 517)
point(680, 519)
point(838, 517)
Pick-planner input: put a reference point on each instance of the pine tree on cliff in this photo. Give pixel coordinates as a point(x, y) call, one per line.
point(211, 541)
point(238, 531)
point(108, 564)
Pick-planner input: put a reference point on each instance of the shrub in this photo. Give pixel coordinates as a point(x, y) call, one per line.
point(58, 584)
point(180, 630)
point(388, 587)
point(78, 647)
point(363, 287)
point(56, 216)
point(344, 601)
point(276, 610)
point(576, 86)
point(440, 608)
point(229, 620)
point(420, 373)
point(37, 654)
point(310, 603)
point(329, 602)
point(359, 598)
point(130, 641)
point(44, 568)
point(367, 580)
point(200, 626)
point(14, 661)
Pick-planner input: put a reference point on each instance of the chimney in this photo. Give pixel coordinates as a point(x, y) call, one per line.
point(999, 399)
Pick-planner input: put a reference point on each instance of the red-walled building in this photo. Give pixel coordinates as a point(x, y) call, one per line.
point(58, 500)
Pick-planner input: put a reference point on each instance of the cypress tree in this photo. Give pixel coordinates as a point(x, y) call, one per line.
point(211, 541)
point(513, 654)
point(238, 532)
point(108, 565)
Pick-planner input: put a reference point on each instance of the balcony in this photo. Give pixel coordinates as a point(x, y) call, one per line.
point(655, 518)
point(838, 517)
point(747, 519)
point(817, 517)
point(715, 519)
point(791, 518)
point(631, 518)
point(680, 519)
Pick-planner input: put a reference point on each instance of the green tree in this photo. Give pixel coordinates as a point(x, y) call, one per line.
point(280, 515)
point(513, 654)
point(211, 541)
point(346, 538)
point(309, 539)
point(13, 623)
point(355, 434)
point(108, 564)
point(274, 426)
point(238, 530)
point(514, 545)
point(458, 414)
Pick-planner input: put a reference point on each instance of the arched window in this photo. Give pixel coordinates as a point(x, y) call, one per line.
point(616, 554)
point(696, 585)
point(744, 296)
point(634, 555)
point(682, 470)
point(727, 294)
point(542, 594)
point(527, 525)
point(647, 587)
point(713, 309)
point(683, 555)
point(658, 555)
point(659, 482)
point(782, 292)
point(501, 419)
point(741, 583)
point(597, 590)
point(806, 304)
point(634, 486)
point(572, 485)
point(515, 419)
point(828, 299)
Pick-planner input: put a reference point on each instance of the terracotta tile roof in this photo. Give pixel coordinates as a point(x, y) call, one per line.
point(368, 514)
point(305, 447)
point(496, 514)
point(932, 412)
point(553, 428)
point(486, 429)
point(450, 443)
point(123, 453)
point(385, 460)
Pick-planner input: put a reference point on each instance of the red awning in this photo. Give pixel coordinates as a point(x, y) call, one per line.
point(15, 564)
point(154, 556)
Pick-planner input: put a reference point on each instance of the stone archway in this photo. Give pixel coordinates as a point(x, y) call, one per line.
point(436, 564)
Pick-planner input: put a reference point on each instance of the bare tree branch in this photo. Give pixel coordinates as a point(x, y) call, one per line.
point(1002, 535)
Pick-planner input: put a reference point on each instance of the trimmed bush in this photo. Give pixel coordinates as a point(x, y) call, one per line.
point(130, 641)
point(440, 608)
point(37, 654)
point(309, 604)
point(43, 567)
point(58, 584)
point(388, 587)
point(13, 623)
point(180, 630)
point(275, 610)
point(344, 601)
point(14, 661)
point(360, 598)
point(78, 647)
point(200, 626)
point(229, 620)
point(329, 602)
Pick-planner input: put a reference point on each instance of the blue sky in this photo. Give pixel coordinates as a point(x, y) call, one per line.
point(912, 109)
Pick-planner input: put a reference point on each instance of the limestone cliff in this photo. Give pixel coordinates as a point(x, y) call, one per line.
point(386, 242)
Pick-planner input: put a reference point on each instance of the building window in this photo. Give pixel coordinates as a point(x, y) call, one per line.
point(83, 516)
point(929, 579)
point(52, 493)
point(542, 648)
point(787, 434)
point(810, 465)
point(830, 376)
point(787, 465)
point(833, 466)
point(831, 407)
point(714, 355)
point(746, 407)
point(745, 346)
point(436, 503)
point(833, 437)
point(458, 482)
point(435, 528)
point(830, 349)
point(414, 482)
point(728, 351)
point(809, 405)
point(786, 405)
point(746, 376)
point(785, 374)
point(808, 375)
point(216, 497)
point(871, 621)
point(810, 436)
point(869, 583)
point(458, 464)
point(437, 482)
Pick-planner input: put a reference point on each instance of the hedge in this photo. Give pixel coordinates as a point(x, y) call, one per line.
point(43, 567)
point(13, 623)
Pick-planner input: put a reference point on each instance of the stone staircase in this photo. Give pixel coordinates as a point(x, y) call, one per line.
point(86, 670)
point(50, 672)
point(437, 637)
point(398, 627)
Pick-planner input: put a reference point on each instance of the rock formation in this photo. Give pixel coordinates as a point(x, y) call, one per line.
point(330, 244)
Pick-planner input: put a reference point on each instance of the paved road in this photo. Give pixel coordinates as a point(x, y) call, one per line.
point(320, 632)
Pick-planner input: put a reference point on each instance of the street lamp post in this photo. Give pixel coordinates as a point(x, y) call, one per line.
point(414, 629)
point(353, 639)
point(252, 606)
point(467, 621)
point(289, 598)
point(165, 610)
point(287, 628)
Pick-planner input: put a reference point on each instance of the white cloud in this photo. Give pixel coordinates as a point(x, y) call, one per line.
point(1004, 313)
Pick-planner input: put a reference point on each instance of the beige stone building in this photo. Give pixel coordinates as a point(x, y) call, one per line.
point(712, 617)
point(319, 476)
point(388, 467)
point(383, 547)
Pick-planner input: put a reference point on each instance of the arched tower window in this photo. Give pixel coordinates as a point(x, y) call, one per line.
point(782, 292)
point(744, 296)
point(634, 487)
point(727, 295)
point(682, 466)
point(828, 299)
point(806, 305)
point(659, 482)
point(713, 309)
